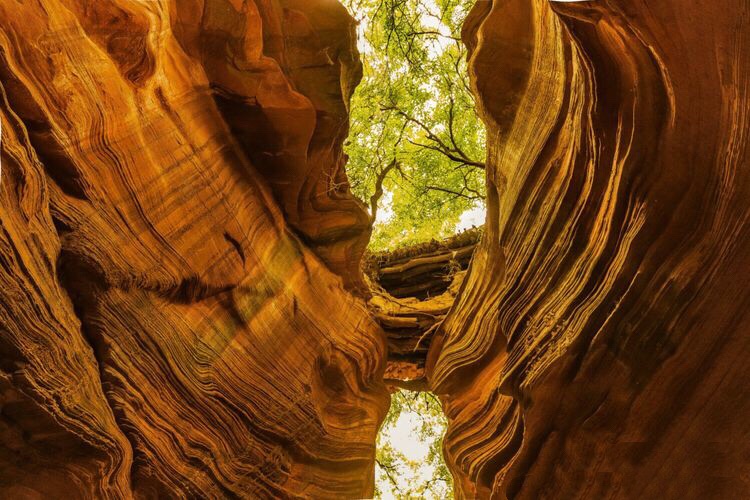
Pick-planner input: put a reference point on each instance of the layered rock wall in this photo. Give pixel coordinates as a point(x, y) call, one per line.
point(597, 348)
point(178, 246)
point(163, 332)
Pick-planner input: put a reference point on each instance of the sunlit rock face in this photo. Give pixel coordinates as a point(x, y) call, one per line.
point(178, 244)
point(282, 73)
point(598, 349)
point(163, 332)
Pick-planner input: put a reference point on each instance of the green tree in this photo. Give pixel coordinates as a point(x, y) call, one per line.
point(395, 472)
point(416, 147)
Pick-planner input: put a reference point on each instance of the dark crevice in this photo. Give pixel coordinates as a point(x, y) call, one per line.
point(236, 244)
point(192, 289)
point(61, 226)
point(56, 162)
point(46, 144)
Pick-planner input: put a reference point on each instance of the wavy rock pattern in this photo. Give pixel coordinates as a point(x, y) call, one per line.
point(162, 331)
point(597, 348)
point(178, 245)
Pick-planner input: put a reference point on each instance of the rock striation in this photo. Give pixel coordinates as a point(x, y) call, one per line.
point(171, 179)
point(412, 288)
point(182, 308)
point(597, 348)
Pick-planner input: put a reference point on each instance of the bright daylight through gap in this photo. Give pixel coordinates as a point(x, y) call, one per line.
point(416, 159)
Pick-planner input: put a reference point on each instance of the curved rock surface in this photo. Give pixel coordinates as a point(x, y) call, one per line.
point(163, 333)
point(179, 248)
point(597, 350)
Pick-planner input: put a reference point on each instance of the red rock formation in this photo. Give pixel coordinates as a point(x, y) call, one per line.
point(282, 84)
point(597, 348)
point(177, 240)
point(412, 290)
point(163, 332)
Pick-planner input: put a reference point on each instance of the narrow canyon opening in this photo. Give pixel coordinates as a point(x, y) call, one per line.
point(413, 288)
point(409, 460)
point(416, 153)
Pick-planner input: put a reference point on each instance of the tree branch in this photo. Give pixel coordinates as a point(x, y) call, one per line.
point(455, 193)
point(451, 156)
point(454, 153)
point(388, 469)
point(379, 180)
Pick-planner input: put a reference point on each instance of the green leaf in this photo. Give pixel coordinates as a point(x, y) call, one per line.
point(414, 105)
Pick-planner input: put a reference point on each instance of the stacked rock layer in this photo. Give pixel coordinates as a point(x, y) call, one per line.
point(163, 332)
point(597, 350)
point(180, 253)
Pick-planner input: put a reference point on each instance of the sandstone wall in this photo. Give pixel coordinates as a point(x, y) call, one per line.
point(177, 241)
point(598, 348)
point(163, 332)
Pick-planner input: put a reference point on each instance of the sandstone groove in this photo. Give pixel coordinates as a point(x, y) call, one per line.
point(163, 331)
point(593, 351)
point(183, 311)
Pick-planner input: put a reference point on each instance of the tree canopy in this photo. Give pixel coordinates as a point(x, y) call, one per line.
point(398, 473)
point(416, 147)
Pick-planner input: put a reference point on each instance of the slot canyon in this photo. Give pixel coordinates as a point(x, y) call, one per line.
point(188, 308)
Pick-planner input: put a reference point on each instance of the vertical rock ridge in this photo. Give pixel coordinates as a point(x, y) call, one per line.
point(621, 230)
point(58, 432)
